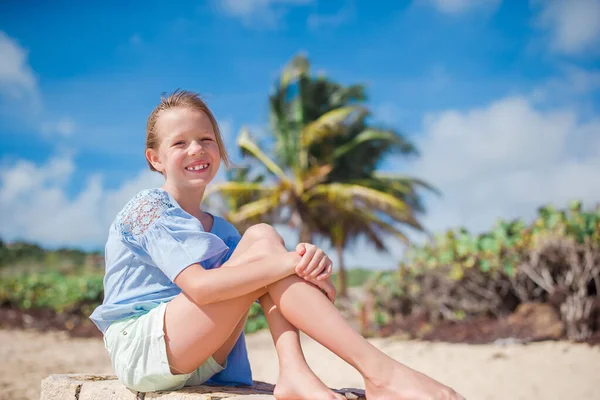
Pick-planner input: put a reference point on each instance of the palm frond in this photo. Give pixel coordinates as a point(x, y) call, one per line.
point(341, 96)
point(341, 195)
point(239, 188)
point(353, 221)
point(390, 229)
point(315, 175)
point(331, 124)
point(246, 143)
point(337, 192)
point(254, 210)
point(299, 66)
point(406, 180)
point(371, 134)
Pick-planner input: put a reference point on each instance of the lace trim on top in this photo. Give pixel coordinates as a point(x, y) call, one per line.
point(141, 211)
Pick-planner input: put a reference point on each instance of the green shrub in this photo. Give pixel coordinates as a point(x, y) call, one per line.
point(73, 293)
point(356, 277)
point(460, 276)
point(256, 319)
point(77, 294)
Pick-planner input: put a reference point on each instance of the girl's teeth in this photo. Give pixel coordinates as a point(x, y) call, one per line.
point(197, 168)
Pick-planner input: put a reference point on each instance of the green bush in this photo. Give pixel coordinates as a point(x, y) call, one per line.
point(256, 319)
point(77, 294)
point(459, 275)
point(73, 293)
point(356, 277)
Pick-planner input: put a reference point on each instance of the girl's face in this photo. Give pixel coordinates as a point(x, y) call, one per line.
point(187, 154)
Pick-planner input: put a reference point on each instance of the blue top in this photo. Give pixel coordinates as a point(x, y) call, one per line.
point(150, 242)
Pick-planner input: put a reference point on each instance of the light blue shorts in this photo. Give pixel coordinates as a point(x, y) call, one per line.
point(138, 354)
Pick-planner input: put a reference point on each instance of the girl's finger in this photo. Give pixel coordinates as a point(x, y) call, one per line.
point(314, 262)
point(306, 259)
point(330, 290)
point(321, 267)
point(327, 273)
point(301, 248)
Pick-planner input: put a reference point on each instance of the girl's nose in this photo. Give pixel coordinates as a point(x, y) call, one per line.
point(195, 148)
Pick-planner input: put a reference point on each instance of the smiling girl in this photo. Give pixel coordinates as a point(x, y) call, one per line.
point(179, 283)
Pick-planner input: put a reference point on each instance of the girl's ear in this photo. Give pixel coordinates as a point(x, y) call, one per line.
point(152, 157)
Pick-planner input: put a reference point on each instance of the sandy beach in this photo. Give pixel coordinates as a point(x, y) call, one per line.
point(544, 370)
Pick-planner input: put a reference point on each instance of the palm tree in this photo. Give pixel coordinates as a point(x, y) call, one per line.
point(352, 217)
point(323, 179)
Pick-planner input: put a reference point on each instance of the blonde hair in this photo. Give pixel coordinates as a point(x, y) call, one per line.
point(182, 99)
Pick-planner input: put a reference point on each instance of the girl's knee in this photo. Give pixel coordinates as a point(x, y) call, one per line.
point(262, 233)
point(265, 247)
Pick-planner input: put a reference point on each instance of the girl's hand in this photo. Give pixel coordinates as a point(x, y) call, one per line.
point(326, 287)
point(314, 263)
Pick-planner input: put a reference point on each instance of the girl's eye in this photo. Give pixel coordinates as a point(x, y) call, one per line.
point(207, 140)
point(178, 143)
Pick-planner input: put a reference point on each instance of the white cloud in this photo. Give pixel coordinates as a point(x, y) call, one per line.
point(574, 25)
point(462, 6)
point(14, 69)
point(577, 87)
point(34, 204)
point(25, 177)
point(575, 81)
point(17, 79)
point(330, 21)
point(64, 127)
point(506, 160)
point(259, 13)
point(19, 85)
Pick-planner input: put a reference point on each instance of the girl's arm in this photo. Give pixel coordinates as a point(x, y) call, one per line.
point(230, 281)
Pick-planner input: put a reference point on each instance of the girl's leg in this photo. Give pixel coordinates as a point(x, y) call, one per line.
point(296, 380)
point(309, 310)
point(196, 332)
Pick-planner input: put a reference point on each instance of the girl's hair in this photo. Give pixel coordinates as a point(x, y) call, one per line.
point(182, 99)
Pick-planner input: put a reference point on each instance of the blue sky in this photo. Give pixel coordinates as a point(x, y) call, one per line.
point(501, 97)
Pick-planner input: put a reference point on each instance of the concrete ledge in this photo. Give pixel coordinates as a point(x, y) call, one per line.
point(107, 387)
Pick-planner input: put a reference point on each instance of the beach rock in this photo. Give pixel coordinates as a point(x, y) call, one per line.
point(536, 321)
point(107, 387)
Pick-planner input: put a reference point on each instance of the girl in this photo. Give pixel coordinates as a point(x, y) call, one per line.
point(179, 283)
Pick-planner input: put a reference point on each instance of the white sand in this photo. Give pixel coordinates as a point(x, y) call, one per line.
point(547, 370)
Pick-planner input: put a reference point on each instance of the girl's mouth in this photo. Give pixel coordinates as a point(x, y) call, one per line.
point(197, 167)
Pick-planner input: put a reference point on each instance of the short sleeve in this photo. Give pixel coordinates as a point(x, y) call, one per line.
point(165, 235)
point(231, 243)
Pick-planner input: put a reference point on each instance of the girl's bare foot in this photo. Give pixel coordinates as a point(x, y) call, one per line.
point(300, 383)
point(398, 382)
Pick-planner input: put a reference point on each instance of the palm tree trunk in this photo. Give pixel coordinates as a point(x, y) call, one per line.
point(305, 234)
point(342, 283)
